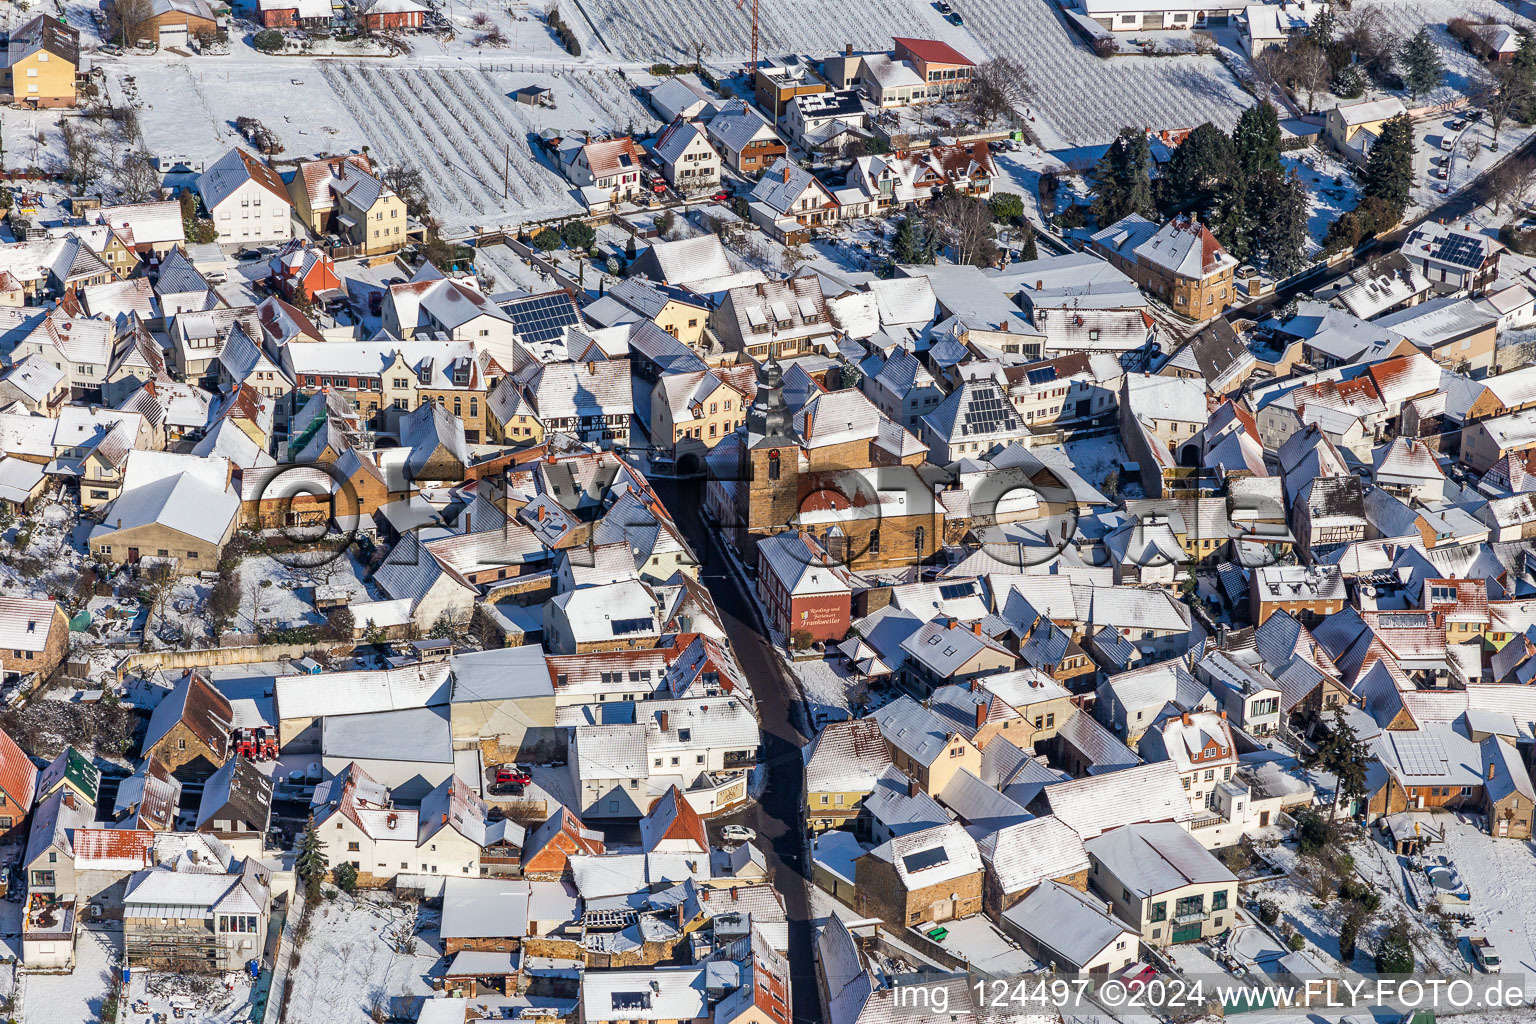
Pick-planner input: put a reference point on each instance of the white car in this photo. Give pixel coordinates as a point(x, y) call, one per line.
point(737, 834)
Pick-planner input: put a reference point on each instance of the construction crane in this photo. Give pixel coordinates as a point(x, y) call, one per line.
point(739, 5)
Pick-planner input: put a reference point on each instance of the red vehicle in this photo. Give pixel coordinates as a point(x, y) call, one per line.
point(659, 187)
point(511, 773)
point(721, 196)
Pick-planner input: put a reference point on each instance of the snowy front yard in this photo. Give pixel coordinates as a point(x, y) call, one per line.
point(1501, 874)
point(351, 962)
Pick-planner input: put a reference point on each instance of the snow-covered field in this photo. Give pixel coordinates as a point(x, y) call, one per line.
point(1464, 71)
point(670, 29)
point(1081, 100)
point(450, 120)
point(348, 965)
point(1501, 875)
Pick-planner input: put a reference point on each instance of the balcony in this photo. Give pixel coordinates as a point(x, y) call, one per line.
point(1190, 917)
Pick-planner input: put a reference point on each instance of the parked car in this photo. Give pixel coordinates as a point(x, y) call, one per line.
point(721, 196)
point(955, 19)
point(512, 773)
point(248, 254)
point(943, 7)
point(1486, 954)
point(658, 187)
point(737, 834)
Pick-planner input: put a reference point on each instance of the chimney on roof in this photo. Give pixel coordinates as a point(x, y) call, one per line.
point(911, 786)
point(541, 513)
point(981, 714)
point(976, 627)
point(662, 716)
point(1491, 769)
point(445, 817)
point(1185, 717)
point(733, 894)
point(704, 892)
point(1223, 715)
point(847, 49)
point(786, 172)
point(591, 369)
point(466, 522)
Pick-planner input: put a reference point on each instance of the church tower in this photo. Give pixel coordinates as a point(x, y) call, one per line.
point(770, 457)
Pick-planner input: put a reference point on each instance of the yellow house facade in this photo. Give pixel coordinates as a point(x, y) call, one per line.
point(40, 64)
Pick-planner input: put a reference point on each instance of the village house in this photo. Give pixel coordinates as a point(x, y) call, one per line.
point(1072, 929)
point(779, 79)
point(926, 747)
point(1180, 262)
point(42, 60)
point(788, 198)
point(610, 165)
point(746, 142)
point(1454, 260)
point(296, 14)
point(688, 161)
point(916, 71)
point(189, 731)
point(1309, 592)
point(18, 786)
point(391, 15)
point(1202, 748)
point(303, 273)
point(1352, 128)
point(921, 878)
point(246, 199)
point(1160, 880)
point(221, 919)
point(806, 595)
point(907, 177)
point(843, 764)
point(342, 196)
point(34, 637)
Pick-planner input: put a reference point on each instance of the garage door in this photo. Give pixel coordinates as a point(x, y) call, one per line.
point(1188, 933)
point(173, 35)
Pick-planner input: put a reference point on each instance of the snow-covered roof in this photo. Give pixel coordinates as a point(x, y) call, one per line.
point(931, 856)
point(1099, 803)
point(235, 168)
point(1024, 855)
point(1155, 858)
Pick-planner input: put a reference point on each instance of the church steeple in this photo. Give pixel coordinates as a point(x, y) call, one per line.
point(768, 418)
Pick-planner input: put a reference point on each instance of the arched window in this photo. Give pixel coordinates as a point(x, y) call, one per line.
point(773, 465)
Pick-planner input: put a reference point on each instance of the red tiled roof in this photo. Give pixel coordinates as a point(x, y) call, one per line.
point(18, 775)
point(678, 820)
point(114, 844)
point(933, 51)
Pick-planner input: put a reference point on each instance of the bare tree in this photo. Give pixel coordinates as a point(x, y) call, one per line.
point(139, 178)
point(1310, 69)
point(998, 88)
point(963, 224)
point(125, 20)
point(1511, 181)
point(698, 47)
point(1471, 146)
point(82, 158)
point(1501, 93)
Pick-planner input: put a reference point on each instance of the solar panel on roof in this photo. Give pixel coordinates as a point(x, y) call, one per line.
point(1043, 374)
point(542, 317)
point(955, 591)
point(623, 626)
point(924, 859)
